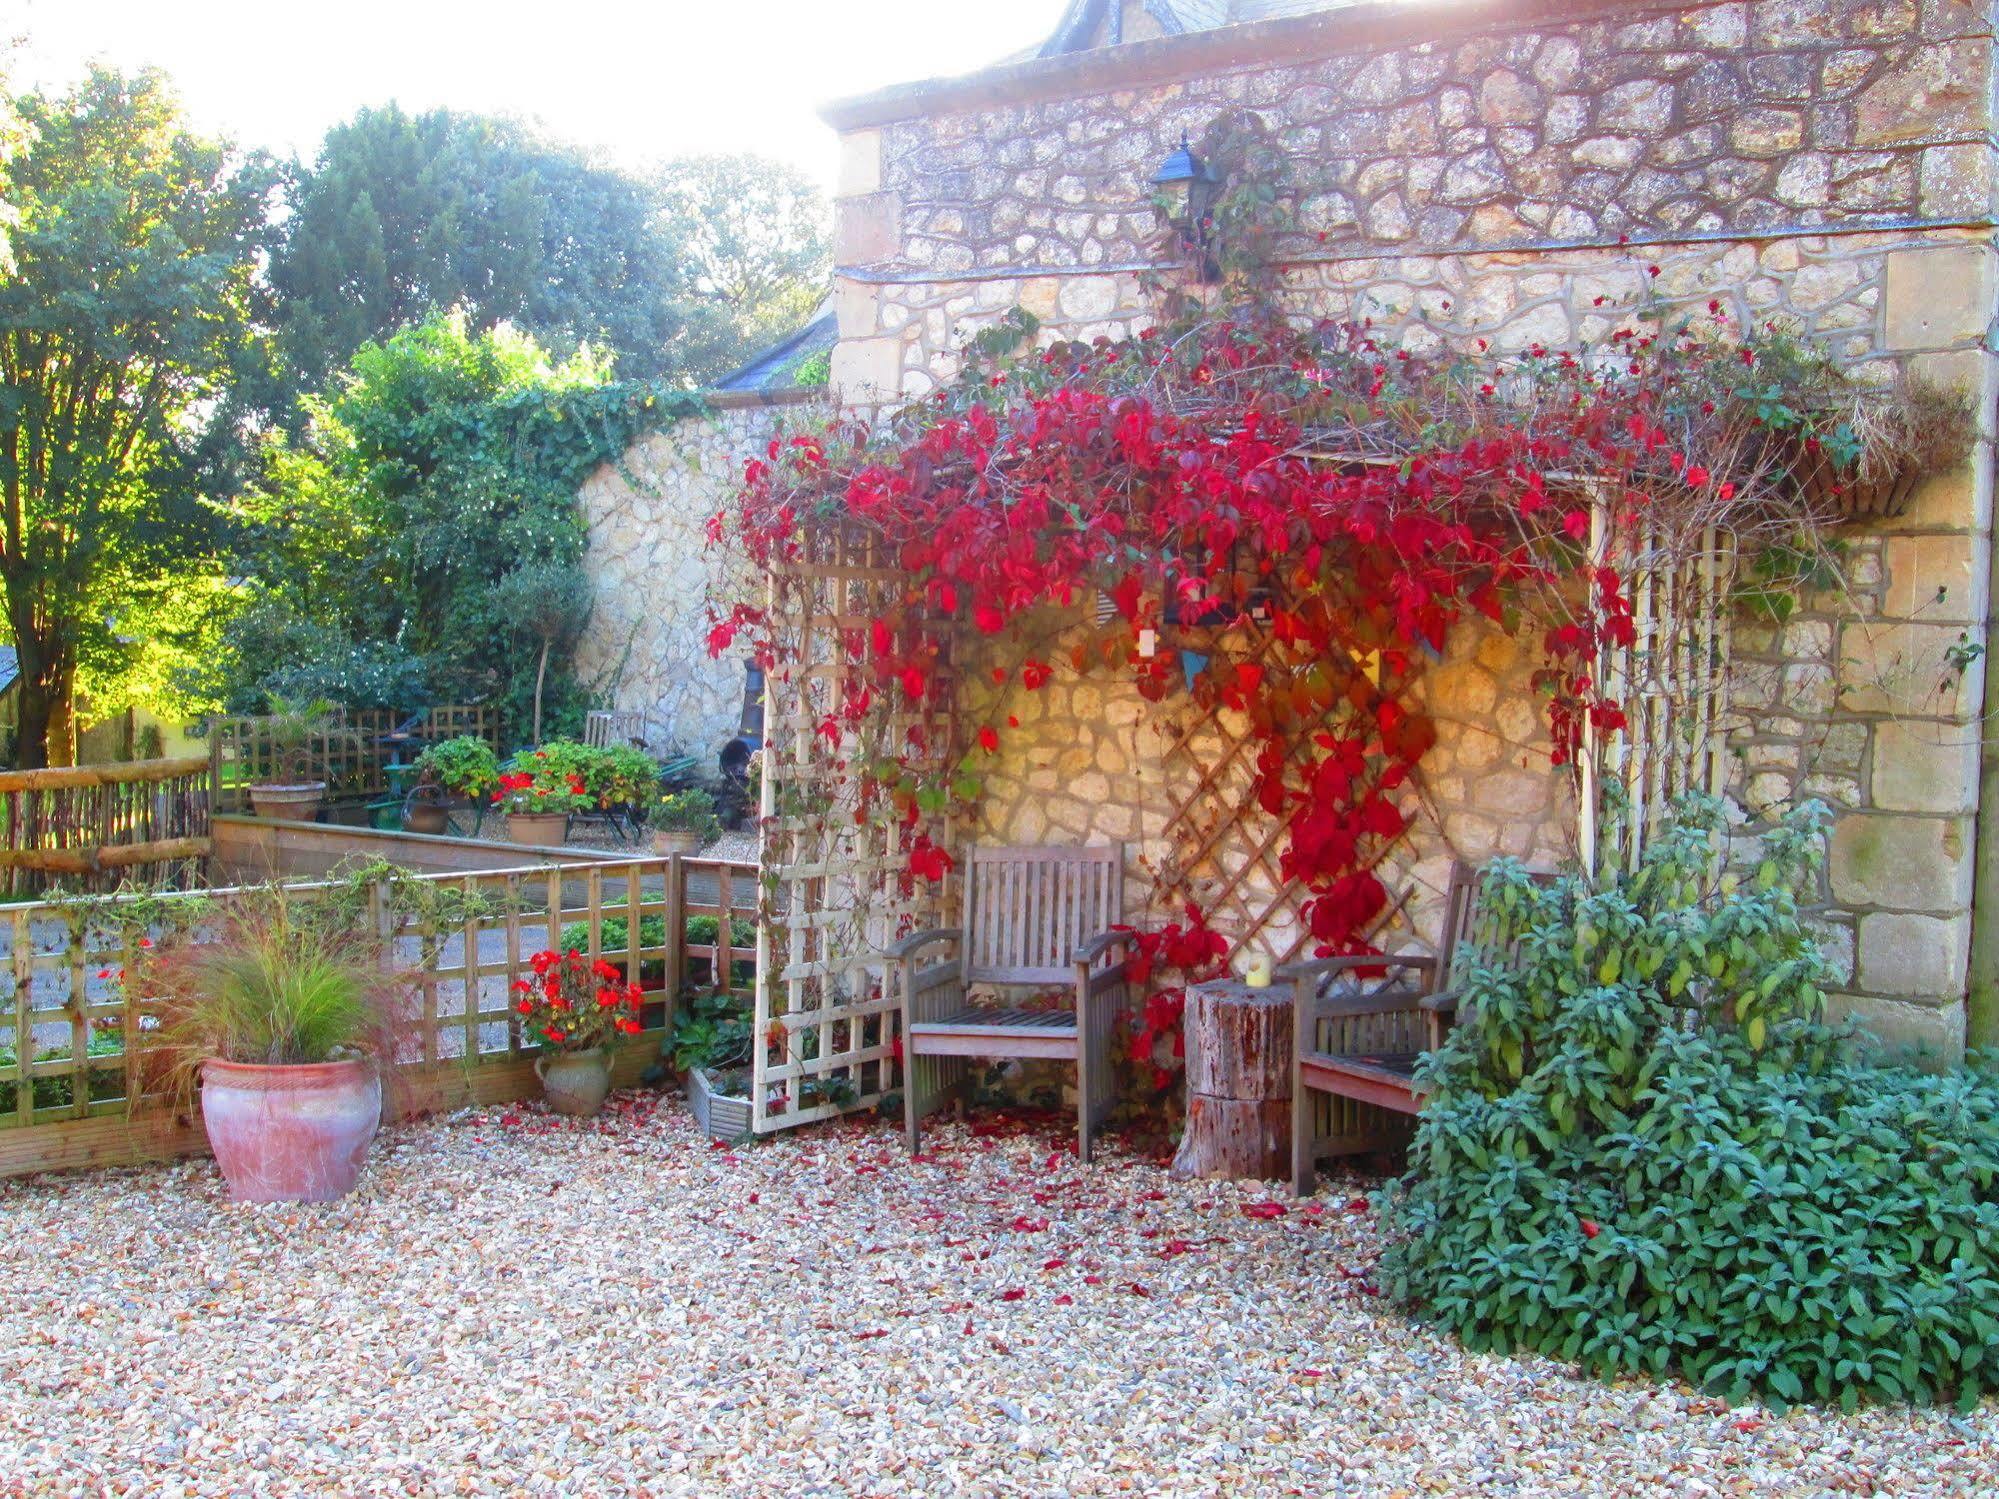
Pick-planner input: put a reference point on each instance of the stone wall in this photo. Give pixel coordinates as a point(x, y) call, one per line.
point(1825, 162)
point(650, 566)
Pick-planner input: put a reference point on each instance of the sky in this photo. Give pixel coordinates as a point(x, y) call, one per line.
point(641, 80)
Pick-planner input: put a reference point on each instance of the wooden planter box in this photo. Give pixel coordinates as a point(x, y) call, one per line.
point(720, 1116)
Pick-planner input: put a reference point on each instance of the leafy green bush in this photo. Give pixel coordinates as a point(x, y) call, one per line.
point(1643, 1152)
point(689, 811)
point(58, 1092)
point(465, 766)
point(701, 932)
point(619, 775)
point(711, 1032)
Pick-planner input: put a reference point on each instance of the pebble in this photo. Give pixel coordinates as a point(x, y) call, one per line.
point(514, 1304)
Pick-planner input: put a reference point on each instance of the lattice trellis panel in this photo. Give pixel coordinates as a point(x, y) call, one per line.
point(837, 889)
point(1672, 682)
point(1223, 861)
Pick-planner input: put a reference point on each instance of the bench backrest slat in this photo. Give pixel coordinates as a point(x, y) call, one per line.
point(1026, 909)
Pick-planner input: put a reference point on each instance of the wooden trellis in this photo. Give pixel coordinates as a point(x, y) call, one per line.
point(837, 887)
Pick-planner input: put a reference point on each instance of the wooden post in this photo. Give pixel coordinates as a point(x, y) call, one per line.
point(1238, 1083)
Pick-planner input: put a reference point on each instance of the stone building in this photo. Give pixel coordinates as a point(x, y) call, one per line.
point(1474, 171)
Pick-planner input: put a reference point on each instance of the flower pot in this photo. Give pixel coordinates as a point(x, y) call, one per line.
point(720, 1114)
point(425, 817)
point(575, 1082)
point(538, 829)
point(298, 802)
point(677, 841)
point(290, 1134)
point(1847, 497)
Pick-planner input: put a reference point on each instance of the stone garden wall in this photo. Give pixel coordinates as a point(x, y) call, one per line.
point(647, 649)
point(1824, 162)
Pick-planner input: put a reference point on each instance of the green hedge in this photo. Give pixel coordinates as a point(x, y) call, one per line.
point(1643, 1152)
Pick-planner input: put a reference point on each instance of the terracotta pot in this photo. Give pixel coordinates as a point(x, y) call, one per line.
point(298, 802)
point(575, 1082)
point(290, 1134)
point(677, 841)
point(538, 829)
point(425, 817)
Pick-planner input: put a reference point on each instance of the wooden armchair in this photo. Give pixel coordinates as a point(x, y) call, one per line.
point(1034, 917)
point(1355, 1046)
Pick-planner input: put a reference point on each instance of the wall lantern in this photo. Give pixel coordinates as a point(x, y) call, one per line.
point(1184, 195)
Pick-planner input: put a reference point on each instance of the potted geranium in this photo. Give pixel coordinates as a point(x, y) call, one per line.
point(575, 1011)
point(451, 773)
point(684, 821)
point(286, 1022)
point(538, 800)
point(297, 733)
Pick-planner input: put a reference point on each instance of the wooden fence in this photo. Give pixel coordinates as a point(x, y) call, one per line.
point(73, 1035)
point(89, 827)
point(351, 757)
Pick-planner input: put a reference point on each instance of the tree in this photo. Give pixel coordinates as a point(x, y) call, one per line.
point(549, 602)
point(756, 237)
point(133, 297)
point(404, 216)
point(447, 460)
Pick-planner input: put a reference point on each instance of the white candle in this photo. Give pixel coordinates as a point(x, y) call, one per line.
point(1258, 976)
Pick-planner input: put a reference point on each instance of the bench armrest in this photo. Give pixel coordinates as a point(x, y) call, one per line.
point(1442, 1002)
point(915, 940)
point(1093, 948)
point(1319, 968)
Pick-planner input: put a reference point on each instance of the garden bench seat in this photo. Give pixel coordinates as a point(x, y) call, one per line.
point(1360, 1026)
point(1040, 918)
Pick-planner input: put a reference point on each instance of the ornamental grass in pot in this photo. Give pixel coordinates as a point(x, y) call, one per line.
point(299, 734)
point(576, 1011)
point(284, 1022)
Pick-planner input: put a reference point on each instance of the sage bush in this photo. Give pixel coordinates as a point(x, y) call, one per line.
point(1645, 1152)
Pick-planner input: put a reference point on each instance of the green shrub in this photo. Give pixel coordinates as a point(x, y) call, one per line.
point(1643, 1153)
point(57, 1092)
point(701, 932)
point(465, 766)
point(712, 1031)
point(689, 811)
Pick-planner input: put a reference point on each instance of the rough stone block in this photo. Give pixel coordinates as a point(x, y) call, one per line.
point(1939, 91)
point(1956, 182)
point(1902, 862)
point(860, 163)
point(1920, 957)
point(1921, 1035)
point(1937, 579)
point(1922, 766)
point(1895, 666)
point(867, 229)
point(1959, 499)
point(1938, 296)
point(866, 370)
point(858, 308)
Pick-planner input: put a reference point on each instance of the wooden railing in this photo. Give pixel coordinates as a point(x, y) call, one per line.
point(74, 1071)
point(90, 827)
point(350, 757)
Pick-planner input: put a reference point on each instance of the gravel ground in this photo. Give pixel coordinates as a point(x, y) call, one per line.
point(512, 1304)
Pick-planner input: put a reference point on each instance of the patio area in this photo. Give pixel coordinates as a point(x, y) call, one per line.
point(516, 1304)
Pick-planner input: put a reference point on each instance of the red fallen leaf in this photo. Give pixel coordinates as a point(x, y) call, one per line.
point(1093, 1280)
point(1264, 1210)
point(1065, 1300)
point(756, 1196)
point(1013, 1293)
point(1173, 1247)
point(862, 1337)
point(1137, 1289)
point(968, 1327)
point(1026, 1225)
point(1590, 1229)
point(1357, 1204)
point(1311, 1373)
point(1152, 1197)
point(1054, 1264)
point(1749, 1424)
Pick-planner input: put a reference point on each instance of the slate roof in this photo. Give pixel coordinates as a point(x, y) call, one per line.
point(10, 668)
point(772, 368)
point(1088, 23)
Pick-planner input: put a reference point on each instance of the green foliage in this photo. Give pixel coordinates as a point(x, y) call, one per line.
point(1643, 1153)
point(403, 216)
point(701, 932)
point(711, 1031)
point(134, 301)
point(465, 766)
point(103, 1083)
point(756, 244)
point(447, 462)
point(689, 811)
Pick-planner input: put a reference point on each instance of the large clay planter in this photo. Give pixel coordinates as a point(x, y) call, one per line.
point(290, 1134)
point(575, 1082)
point(293, 803)
point(538, 829)
point(676, 841)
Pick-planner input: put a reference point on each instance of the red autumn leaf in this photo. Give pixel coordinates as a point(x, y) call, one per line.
point(1013, 1294)
point(1264, 1210)
point(1590, 1229)
point(988, 738)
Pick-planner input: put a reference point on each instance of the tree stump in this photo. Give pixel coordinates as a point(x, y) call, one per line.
point(1238, 1083)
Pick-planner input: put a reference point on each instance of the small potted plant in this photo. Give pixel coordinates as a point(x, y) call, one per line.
point(450, 773)
point(538, 802)
point(684, 822)
point(711, 1046)
point(297, 733)
point(575, 1011)
point(285, 1022)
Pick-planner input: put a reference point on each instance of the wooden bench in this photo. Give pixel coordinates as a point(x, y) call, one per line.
point(1361, 1024)
point(1033, 918)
